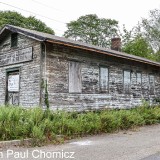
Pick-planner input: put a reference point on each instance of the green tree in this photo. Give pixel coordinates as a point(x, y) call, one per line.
point(14, 18)
point(144, 39)
point(93, 30)
point(151, 27)
point(156, 56)
point(126, 35)
point(139, 46)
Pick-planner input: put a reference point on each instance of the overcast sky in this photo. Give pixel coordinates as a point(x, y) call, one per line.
point(56, 13)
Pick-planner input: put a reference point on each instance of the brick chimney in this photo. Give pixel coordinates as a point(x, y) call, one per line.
point(116, 44)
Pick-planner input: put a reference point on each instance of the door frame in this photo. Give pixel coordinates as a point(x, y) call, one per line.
point(10, 70)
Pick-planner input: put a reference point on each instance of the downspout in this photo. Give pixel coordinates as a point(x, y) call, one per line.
point(46, 101)
point(43, 71)
point(45, 62)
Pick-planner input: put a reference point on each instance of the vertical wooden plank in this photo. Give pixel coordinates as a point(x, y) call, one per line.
point(139, 78)
point(103, 78)
point(74, 77)
point(127, 81)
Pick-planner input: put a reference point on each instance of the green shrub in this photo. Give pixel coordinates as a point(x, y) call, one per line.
point(43, 126)
point(130, 119)
point(110, 121)
point(89, 123)
point(151, 115)
point(156, 112)
point(38, 135)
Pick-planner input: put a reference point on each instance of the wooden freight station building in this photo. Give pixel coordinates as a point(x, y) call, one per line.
point(37, 67)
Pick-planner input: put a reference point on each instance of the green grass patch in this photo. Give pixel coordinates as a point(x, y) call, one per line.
point(44, 126)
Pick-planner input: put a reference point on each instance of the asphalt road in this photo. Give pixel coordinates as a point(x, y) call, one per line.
point(143, 144)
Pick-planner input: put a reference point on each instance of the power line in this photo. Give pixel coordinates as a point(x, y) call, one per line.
point(58, 30)
point(32, 13)
point(43, 4)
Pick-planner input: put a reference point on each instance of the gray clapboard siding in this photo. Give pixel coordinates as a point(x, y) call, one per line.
point(151, 83)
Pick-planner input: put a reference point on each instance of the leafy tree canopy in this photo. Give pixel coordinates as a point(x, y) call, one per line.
point(151, 27)
point(14, 18)
point(144, 39)
point(138, 46)
point(93, 30)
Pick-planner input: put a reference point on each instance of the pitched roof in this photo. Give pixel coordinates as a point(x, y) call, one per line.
point(45, 37)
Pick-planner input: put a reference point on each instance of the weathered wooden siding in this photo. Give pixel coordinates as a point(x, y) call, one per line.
point(96, 91)
point(29, 71)
point(91, 96)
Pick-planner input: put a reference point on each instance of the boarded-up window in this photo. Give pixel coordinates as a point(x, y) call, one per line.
point(127, 81)
point(14, 39)
point(75, 84)
point(103, 79)
point(151, 83)
point(139, 78)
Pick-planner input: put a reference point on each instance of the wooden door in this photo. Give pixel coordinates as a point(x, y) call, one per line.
point(13, 88)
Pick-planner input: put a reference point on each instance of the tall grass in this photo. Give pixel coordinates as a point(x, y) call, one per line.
point(43, 126)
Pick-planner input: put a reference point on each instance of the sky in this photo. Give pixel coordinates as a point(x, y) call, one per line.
point(56, 13)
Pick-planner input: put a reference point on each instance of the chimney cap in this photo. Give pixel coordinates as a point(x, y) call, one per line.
point(116, 39)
